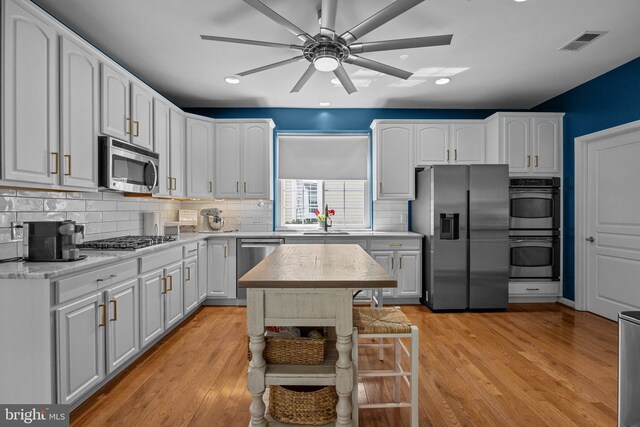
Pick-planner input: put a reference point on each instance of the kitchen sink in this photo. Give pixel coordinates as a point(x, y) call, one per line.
point(325, 233)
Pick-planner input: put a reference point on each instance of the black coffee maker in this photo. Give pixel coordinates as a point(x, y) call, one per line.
point(54, 241)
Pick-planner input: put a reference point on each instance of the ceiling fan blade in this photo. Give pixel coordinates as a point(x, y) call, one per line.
point(346, 82)
point(251, 42)
point(304, 79)
point(270, 13)
point(328, 17)
point(382, 17)
point(377, 66)
point(270, 66)
point(401, 44)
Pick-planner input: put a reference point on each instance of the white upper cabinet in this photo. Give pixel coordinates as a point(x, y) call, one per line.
point(30, 98)
point(200, 151)
point(142, 117)
point(432, 144)
point(449, 143)
point(161, 137)
point(116, 118)
point(79, 115)
point(393, 161)
point(468, 143)
point(531, 143)
point(177, 137)
point(244, 159)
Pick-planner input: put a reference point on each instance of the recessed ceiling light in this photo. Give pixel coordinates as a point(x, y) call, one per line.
point(336, 81)
point(232, 80)
point(443, 81)
point(519, 1)
point(324, 104)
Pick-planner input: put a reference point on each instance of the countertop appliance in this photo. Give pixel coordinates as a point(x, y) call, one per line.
point(629, 369)
point(53, 241)
point(152, 224)
point(534, 203)
point(126, 167)
point(249, 253)
point(126, 243)
point(463, 211)
point(212, 221)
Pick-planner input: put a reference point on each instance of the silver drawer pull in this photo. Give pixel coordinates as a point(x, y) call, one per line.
point(107, 278)
point(533, 289)
point(193, 250)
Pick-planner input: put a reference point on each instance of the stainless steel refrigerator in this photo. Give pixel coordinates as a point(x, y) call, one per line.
point(464, 213)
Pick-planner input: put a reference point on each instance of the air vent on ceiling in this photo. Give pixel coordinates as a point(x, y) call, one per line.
point(582, 40)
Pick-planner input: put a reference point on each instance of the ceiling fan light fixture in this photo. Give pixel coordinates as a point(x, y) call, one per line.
point(232, 80)
point(326, 63)
point(443, 81)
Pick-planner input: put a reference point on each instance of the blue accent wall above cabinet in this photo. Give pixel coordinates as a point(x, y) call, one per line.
point(609, 100)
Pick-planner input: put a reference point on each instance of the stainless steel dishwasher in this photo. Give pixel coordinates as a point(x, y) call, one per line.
point(250, 253)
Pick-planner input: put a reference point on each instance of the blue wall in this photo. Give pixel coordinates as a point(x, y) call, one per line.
point(609, 100)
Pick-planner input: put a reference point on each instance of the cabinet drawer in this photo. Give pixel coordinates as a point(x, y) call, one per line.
point(190, 250)
point(160, 260)
point(73, 287)
point(538, 288)
point(395, 244)
point(342, 241)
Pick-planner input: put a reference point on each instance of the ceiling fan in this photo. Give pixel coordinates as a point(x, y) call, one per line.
point(326, 51)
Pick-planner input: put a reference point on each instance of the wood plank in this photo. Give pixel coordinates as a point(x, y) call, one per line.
point(318, 266)
point(535, 365)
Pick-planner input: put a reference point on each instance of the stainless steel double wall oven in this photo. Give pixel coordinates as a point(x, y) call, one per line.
point(534, 228)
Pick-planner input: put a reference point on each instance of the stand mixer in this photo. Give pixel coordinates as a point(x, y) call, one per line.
point(212, 219)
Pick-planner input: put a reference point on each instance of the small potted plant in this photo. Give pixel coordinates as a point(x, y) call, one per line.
point(322, 218)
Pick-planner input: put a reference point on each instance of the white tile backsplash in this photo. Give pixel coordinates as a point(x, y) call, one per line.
point(243, 215)
point(390, 215)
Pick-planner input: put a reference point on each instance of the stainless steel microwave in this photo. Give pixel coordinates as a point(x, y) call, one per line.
point(126, 167)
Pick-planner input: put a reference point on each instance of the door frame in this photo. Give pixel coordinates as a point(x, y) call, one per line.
point(581, 202)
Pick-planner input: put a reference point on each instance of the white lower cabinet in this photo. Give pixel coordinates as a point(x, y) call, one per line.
point(152, 290)
point(405, 267)
point(387, 260)
point(173, 296)
point(203, 261)
point(123, 312)
point(222, 269)
point(191, 274)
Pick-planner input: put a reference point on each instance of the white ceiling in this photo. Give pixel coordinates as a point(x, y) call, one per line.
point(509, 48)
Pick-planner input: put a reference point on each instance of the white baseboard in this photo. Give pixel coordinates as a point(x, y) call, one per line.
point(567, 302)
point(513, 299)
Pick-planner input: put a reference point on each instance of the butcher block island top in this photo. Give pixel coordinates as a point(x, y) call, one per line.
point(318, 266)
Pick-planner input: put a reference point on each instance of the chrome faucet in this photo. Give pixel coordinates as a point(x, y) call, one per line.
point(327, 218)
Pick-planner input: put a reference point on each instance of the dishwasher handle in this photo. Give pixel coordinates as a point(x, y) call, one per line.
point(256, 243)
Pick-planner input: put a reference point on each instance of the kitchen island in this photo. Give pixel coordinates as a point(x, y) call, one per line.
point(307, 285)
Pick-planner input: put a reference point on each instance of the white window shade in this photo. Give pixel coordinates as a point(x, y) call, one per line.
point(323, 157)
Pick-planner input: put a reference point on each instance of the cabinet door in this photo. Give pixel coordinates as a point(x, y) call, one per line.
point(546, 145)
point(81, 356)
point(256, 161)
point(30, 98)
point(115, 119)
point(79, 115)
point(387, 260)
point(190, 285)
point(152, 290)
point(142, 112)
point(173, 308)
point(227, 156)
point(162, 147)
point(468, 143)
point(395, 172)
point(516, 135)
point(432, 144)
point(177, 153)
point(218, 274)
point(123, 313)
point(409, 274)
point(199, 161)
point(202, 270)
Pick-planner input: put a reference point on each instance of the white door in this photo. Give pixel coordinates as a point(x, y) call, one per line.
point(177, 153)
point(613, 220)
point(468, 143)
point(81, 335)
point(190, 285)
point(202, 270)
point(199, 163)
point(123, 312)
point(30, 100)
point(115, 119)
point(153, 287)
point(432, 144)
point(79, 115)
point(227, 156)
point(395, 172)
point(218, 269)
point(387, 260)
point(517, 136)
point(409, 274)
point(546, 145)
point(142, 112)
point(173, 298)
point(161, 136)
point(256, 161)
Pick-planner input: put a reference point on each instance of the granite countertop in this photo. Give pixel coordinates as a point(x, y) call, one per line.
point(48, 270)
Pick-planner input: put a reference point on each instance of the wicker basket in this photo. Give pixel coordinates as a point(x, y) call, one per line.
point(295, 351)
point(308, 405)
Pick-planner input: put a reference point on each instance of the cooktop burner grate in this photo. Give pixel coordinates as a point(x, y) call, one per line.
point(125, 243)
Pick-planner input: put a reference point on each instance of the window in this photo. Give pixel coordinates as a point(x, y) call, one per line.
point(299, 199)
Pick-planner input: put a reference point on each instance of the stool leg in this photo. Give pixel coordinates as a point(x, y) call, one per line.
point(354, 393)
point(415, 347)
point(396, 362)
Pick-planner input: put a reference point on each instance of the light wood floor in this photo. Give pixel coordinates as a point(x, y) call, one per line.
point(537, 364)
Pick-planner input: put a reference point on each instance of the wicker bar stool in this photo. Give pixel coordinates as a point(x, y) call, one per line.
point(390, 323)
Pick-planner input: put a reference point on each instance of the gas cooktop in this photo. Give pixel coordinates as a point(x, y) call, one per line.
point(125, 243)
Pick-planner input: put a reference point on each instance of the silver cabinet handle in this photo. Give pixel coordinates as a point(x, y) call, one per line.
point(107, 278)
